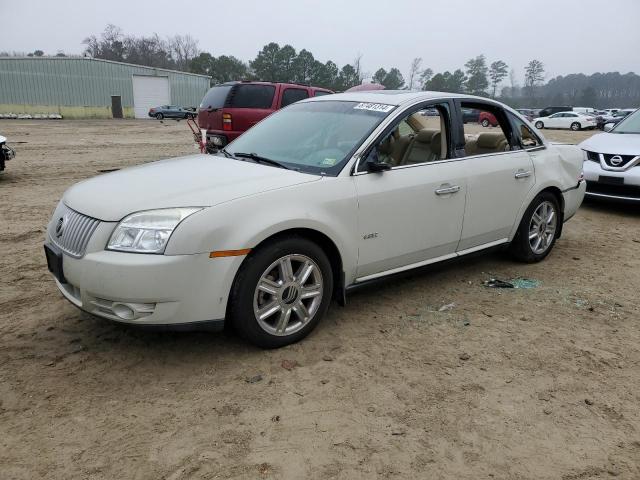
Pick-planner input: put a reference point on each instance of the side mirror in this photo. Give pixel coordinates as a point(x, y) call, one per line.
point(378, 166)
point(374, 164)
point(608, 127)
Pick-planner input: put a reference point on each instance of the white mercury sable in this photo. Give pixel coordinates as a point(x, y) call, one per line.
point(318, 198)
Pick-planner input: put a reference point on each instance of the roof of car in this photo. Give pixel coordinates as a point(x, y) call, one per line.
point(392, 97)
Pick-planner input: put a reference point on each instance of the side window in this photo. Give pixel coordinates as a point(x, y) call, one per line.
point(525, 136)
point(420, 137)
point(292, 95)
point(251, 96)
point(489, 136)
point(320, 93)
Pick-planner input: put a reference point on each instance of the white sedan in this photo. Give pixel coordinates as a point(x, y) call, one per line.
point(572, 120)
point(320, 197)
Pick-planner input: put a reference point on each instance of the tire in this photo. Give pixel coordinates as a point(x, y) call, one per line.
point(523, 246)
point(485, 123)
point(575, 126)
point(159, 116)
point(268, 281)
point(539, 125)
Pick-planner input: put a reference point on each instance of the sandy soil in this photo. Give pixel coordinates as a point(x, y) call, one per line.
point(505, 384)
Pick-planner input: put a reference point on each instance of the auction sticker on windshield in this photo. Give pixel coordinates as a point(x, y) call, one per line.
point(374, 107)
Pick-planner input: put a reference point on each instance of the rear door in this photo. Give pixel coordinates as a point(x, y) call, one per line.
point(499, 177)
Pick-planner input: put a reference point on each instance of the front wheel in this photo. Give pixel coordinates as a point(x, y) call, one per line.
point(539, 125)
point(538, 229)
point(281, 293)
point(575, 126)
point(485, 123)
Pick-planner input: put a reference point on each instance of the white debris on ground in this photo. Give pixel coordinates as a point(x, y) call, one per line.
point(27, 116)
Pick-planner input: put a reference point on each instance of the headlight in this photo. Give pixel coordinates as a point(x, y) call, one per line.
point(148, 231)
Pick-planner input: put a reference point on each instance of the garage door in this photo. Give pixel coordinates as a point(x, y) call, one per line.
point(149, 92)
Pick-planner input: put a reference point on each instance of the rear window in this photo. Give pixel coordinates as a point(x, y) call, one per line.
point(251, 96)
point(215, 97)
point(292, 95)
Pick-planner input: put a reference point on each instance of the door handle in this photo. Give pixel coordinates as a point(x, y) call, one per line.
point(523, 174)
point(446, 189)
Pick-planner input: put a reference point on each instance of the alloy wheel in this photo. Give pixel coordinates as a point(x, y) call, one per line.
point(542, 227)
point(288, 295)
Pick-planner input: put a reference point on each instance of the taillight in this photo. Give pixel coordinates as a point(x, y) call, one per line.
point(227, 125)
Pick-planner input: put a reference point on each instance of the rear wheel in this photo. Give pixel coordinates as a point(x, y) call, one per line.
point(539, 125)
point(485, 123)
point(159, 116)
point(575, 126)
point(538, 229)
point(281, 293)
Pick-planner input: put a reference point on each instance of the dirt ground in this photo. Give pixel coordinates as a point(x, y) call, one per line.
point(432, 376)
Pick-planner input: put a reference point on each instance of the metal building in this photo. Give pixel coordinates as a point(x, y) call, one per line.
point(78, 87)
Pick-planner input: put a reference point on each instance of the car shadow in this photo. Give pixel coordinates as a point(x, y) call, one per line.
point(628, 209)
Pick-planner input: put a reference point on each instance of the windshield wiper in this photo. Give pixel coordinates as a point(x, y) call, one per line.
point(259, 159)
point(226, 154)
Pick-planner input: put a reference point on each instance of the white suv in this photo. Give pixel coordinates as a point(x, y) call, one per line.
point(612, 165)
point(321, 196)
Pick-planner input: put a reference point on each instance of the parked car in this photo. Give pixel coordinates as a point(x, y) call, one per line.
point(528, 113)
point(618, 117)
point(487, 119)
point(548, 111)
point(612, 163)
point(320, 197)
point(584, 110)
point(571, 120)
point(6, 152)
point(470, 115)
point(602, 118)
point(232, 108)
point(172, 111)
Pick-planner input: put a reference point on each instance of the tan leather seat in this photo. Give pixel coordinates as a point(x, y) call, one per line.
point(436, 147)
point(420, 148)
point(394, 147)
point(489, 143)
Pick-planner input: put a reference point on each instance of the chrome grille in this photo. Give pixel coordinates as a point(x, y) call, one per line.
point(71, 231)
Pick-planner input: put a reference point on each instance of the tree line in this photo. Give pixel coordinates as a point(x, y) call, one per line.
point(278, 63)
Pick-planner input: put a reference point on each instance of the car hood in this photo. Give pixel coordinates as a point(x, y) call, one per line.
point(613, 143)
point(197, 180)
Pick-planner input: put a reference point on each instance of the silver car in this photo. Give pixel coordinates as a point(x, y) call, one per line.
point(612, 162)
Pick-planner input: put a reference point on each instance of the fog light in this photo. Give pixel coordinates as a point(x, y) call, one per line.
point(123, 311)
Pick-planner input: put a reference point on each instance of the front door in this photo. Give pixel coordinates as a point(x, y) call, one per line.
point(412, 212)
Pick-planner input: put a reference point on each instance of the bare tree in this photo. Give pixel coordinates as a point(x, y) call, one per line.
point(183, 48)
point(414, 71)
point(357, 66)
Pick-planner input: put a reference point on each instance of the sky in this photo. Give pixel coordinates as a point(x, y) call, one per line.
point(568, 36)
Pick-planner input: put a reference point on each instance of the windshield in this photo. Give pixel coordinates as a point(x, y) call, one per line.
point(631, 124)
point(312, 137)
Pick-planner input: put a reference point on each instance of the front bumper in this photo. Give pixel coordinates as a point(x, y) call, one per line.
point(612, 185)
point(150, 289)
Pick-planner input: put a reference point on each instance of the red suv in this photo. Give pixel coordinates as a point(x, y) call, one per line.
point(487, 119)
point(232, 108)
